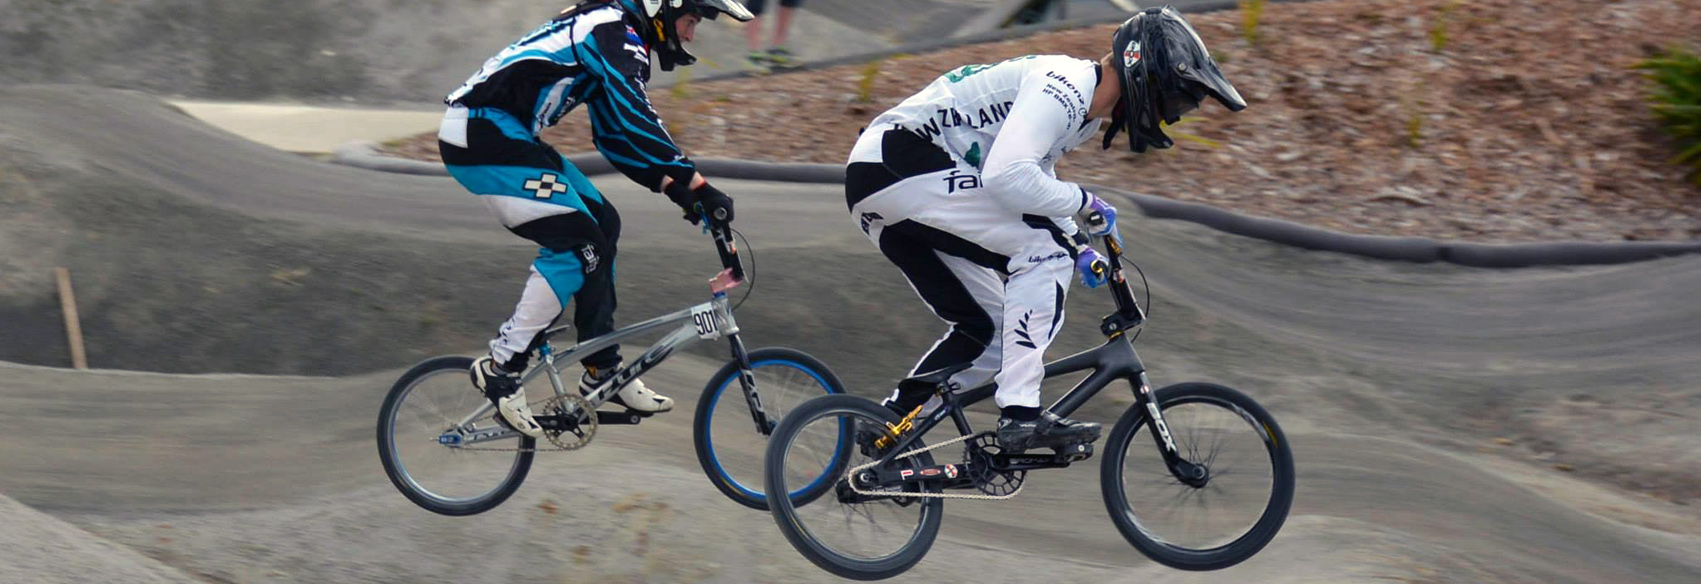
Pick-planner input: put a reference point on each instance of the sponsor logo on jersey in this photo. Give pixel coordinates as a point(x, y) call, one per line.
point(957, 181)
point(951, 118)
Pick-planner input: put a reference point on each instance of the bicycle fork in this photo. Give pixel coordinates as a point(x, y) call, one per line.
point(746, 375)
point(1186, 471)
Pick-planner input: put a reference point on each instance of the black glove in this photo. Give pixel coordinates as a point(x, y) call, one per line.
point(703, 199)
point(715, 203)
point(680, 192)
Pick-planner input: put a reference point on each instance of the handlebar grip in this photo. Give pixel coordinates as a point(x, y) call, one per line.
point(720, 214)
point(1095, 220)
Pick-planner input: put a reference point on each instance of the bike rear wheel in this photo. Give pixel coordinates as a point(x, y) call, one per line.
point(424, 406)
point(1217, 521)
point(729, 445)
point(862, 537)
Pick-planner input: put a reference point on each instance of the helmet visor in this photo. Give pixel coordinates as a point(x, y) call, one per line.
point(1193, 63)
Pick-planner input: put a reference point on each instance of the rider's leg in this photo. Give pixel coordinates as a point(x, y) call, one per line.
point(897, 180)
point(531, 190)
point(593, 312)
point(965, 295)
point(891, 175)
point(1034, 298)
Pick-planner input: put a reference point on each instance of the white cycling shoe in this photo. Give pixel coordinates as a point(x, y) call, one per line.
point(503, 389)
point(635, 396)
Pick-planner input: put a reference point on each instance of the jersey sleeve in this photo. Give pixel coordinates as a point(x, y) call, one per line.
point(1047, 108)
point(624, 126)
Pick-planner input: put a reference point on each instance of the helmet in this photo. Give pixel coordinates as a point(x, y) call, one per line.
point(1165, 71)
point(663, 13)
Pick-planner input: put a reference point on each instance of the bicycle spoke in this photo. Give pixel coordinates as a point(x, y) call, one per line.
point(1221, 509)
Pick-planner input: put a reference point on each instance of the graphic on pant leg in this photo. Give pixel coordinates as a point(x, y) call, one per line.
point(1022, 331)
point(589, 252)
point(546, 187)
point(868, 220)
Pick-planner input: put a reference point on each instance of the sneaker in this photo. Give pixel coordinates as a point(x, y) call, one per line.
point(782, 57)
point(1050, 430)
point(635, 396)
point(503, 389)
point(757, 61)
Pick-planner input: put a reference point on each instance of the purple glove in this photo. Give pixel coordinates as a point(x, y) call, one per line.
point(1100, 218)
point(1094, 270)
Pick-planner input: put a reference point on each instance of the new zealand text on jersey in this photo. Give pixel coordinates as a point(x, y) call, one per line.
point(951, 118)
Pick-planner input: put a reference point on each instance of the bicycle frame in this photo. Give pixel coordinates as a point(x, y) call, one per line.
point(707, 321)
point(1112, 361)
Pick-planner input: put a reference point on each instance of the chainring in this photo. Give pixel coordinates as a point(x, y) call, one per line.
point(578, 435)
point(979, 457)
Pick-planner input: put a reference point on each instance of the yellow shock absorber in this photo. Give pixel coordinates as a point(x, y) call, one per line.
point(893, 431)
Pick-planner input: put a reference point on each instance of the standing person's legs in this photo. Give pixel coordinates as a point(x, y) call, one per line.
point(782, 28)
point(753, 29)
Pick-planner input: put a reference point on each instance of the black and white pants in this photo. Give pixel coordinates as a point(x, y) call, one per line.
point(997, 277)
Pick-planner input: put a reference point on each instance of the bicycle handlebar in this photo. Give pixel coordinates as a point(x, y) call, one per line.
point(1128, 313)
point(721, 232)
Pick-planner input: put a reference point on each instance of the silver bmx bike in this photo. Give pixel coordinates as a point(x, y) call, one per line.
point(442, 445)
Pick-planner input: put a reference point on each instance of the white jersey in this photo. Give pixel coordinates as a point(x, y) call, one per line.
point(1011, 120)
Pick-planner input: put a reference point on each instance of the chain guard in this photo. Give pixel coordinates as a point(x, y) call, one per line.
point(980, 457)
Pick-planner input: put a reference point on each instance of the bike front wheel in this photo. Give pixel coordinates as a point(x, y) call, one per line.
point(417, 442)
point(874, 534)
point(1220, 508)
point(729, 442)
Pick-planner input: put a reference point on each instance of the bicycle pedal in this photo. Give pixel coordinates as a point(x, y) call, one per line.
point(1074, 452)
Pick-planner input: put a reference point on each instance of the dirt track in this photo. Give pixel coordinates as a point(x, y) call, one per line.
point(1391, 379)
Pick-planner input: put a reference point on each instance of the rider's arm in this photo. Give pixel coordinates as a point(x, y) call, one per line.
point(625, 126)
point(1045, 110)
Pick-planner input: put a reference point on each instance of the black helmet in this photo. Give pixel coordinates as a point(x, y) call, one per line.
point(663, 13)
point(1165, 71)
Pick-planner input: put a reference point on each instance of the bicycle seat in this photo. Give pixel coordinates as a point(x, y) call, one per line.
point(935, 378)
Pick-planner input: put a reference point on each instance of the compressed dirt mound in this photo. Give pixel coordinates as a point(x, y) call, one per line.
point(204, 253)
point(45, 550)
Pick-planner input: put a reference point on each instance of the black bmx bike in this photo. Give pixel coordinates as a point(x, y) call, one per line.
point(443, 447)
point(1196, 476)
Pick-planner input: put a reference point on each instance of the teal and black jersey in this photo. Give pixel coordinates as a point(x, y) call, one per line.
point(591, 54)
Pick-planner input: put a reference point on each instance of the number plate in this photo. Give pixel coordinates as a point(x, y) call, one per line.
point(703, 316)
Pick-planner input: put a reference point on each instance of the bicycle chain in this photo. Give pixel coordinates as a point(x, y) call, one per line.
point(957, 440)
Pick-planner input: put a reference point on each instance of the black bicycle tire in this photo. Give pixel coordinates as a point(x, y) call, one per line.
point(386, 454)
point(784, 510)
point(700, 422)
point(1243, 547)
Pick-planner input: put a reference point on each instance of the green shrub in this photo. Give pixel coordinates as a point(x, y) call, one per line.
point(865, 82)
point(1438, 30)
point(1250, 11)
point(1677, 102)
point(681, 85)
